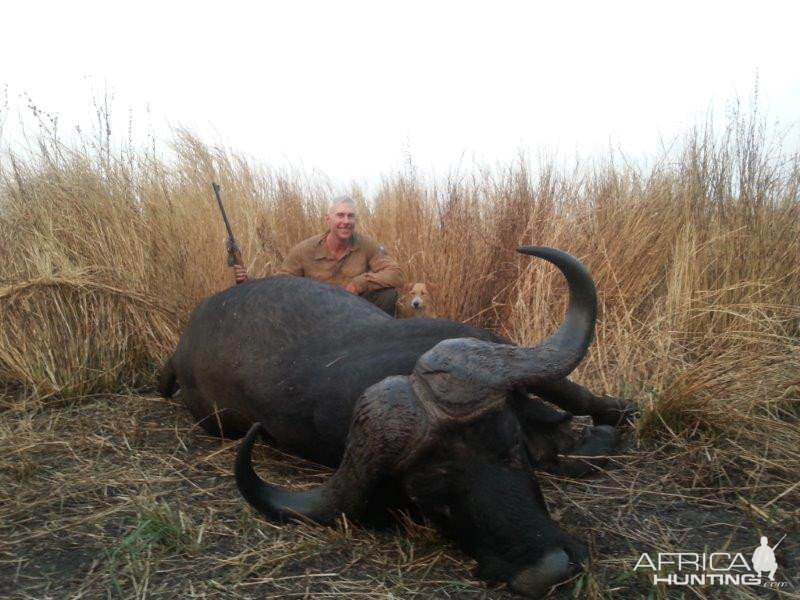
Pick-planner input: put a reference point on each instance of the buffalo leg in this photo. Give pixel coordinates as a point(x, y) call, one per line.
point(219, 423)
point(578, 400)
point(547, 430)
point(589, 455)
point(548, 434)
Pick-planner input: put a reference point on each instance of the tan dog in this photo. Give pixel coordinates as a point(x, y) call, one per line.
point(416, 301)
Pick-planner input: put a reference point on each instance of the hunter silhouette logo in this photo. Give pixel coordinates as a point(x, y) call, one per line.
point(717, 568)
point(764, 558)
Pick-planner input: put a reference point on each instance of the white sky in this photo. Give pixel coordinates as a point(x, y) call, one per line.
point(350, 88)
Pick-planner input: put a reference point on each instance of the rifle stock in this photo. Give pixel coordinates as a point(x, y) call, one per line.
point(235, 258)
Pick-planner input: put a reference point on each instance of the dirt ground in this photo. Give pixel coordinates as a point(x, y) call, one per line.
point(121, 497)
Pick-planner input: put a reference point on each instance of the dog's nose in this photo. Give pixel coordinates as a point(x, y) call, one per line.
point(416, 303)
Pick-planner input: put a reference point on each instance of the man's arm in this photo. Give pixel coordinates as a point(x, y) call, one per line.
point(384, 272)
point(292, 264)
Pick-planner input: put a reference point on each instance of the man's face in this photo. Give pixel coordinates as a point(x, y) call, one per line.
point(341, 220)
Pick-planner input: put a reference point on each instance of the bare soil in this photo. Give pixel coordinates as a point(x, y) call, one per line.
point(121, 497)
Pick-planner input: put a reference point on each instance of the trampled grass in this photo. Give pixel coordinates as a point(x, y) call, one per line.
point(104, 252)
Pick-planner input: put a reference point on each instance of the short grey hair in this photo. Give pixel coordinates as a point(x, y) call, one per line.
point(345, 199)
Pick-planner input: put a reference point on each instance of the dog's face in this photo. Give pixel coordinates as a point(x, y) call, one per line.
point(416, 301)
point(418, 296)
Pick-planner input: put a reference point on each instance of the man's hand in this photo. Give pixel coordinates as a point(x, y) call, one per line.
point(240, 273)
point(351, 287)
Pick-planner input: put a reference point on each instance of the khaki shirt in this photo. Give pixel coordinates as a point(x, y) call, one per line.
point(365, 264)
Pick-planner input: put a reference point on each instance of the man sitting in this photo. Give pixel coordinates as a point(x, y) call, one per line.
point(356, 263)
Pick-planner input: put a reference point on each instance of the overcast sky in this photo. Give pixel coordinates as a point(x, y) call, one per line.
point(351, 88)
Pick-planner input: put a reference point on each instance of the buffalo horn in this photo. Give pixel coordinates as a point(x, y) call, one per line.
point(378, 435)
point(559, 354)
point(465, 367)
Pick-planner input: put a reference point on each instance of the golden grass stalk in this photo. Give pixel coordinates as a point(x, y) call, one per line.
point(695, 260)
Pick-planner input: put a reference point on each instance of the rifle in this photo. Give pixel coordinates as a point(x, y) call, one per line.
point(234, 254)
point(779, 541)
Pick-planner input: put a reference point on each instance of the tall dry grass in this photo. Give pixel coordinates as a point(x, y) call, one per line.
point(104, 252)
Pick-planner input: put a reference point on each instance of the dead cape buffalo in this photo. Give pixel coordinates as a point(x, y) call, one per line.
point(431, 414)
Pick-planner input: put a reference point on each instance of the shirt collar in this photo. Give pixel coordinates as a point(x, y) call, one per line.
point(322, 250)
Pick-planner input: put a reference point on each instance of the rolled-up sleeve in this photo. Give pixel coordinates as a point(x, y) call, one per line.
point(384, 272)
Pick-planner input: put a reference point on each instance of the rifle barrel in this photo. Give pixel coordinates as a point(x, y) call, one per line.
point(779, 541)
point(222, 210)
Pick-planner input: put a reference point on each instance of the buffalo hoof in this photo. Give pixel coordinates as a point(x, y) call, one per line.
point(613, 411)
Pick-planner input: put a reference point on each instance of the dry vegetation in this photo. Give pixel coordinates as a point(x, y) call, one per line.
point(107, 492)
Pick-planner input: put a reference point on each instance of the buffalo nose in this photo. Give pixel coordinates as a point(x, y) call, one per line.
point(535, 580)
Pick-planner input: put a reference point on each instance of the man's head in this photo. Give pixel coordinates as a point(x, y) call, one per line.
point(341, 217)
